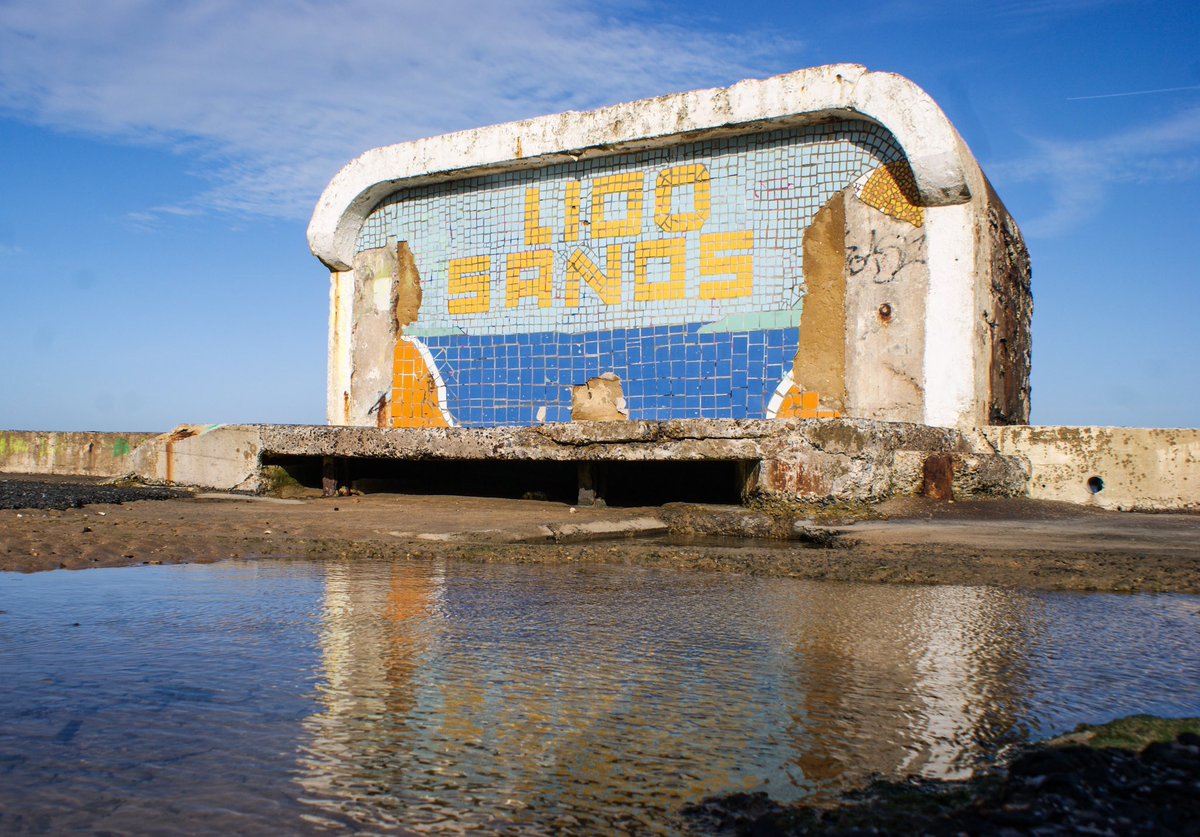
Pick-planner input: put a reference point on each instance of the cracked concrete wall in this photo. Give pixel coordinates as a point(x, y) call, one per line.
point(1122, 468)
point(373, 335)
point(68, 453)
point(887, 283)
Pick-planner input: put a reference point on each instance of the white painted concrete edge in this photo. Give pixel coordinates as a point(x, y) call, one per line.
point(337, 383)
point(929, 141)
point(950, 316)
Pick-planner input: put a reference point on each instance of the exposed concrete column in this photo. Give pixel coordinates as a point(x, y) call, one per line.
point(591, 483)
point(329, 481)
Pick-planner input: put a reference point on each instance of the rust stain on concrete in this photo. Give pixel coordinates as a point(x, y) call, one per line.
point(796, 479)
point(177, 435)
point(1009, 318)
point(937, 477)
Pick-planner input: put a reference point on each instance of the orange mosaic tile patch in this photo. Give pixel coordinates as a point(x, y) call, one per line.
point(804, 405)
point(414, 390)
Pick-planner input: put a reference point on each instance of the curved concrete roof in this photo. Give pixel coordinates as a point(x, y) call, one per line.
point(935, 152)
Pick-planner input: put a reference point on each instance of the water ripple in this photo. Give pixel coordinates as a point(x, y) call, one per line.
point(434, 698)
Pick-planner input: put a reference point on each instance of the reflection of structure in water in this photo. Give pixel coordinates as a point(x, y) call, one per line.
point(512, 696)
point(372, 639)
point(922, 680)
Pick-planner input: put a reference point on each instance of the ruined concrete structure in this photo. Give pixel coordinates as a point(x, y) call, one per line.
point(820, 244)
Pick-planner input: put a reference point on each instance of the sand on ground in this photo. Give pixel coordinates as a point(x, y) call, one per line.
point(1003, 542)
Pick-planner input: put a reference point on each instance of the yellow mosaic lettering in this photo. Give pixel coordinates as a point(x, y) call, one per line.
point(540, 286)
point(471, 276)
point(674, 249)
point(535, 234)
point(630, 185)
point(741, 267)
point(696, 176)
point(606, 285)
point(571, 228)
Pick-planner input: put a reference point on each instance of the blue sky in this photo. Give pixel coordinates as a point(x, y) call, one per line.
point(159, 161)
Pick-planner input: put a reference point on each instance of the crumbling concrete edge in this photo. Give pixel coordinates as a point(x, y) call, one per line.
point(934, 150)
point(802, 461)
point(798, 461)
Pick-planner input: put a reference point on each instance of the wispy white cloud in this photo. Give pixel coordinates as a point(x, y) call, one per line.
point(1027, 17)
point(1079, 174)
point(1133, 93)
point(272, 97)
point(11, 249)
point(1044, 9)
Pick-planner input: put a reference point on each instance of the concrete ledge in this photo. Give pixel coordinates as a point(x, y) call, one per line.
point(845, 460)
point(1123, 468)
point(68, 453)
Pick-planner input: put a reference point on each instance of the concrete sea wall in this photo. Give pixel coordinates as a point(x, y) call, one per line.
point(1124, 468)
point(68, 453)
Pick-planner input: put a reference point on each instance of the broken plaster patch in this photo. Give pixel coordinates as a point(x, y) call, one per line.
point(600, 399)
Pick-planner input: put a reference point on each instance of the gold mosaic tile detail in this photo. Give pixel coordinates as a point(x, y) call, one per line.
point(893, 191)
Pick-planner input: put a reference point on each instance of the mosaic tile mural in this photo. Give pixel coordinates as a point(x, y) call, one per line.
point(678, 271)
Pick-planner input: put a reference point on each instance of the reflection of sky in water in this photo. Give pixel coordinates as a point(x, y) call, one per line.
point(262, 697)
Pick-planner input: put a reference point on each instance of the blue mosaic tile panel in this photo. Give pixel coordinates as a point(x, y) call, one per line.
point(667, 372)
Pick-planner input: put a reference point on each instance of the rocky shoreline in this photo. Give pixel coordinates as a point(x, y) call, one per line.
point(1148, 784)
point(29, 494)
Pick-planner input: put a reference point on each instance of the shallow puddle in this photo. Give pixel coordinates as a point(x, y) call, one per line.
point(284, 696)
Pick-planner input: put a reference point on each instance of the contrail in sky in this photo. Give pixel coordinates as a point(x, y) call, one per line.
point(1134, 93)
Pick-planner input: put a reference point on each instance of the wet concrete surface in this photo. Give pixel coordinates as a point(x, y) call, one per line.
point(1005, 542)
